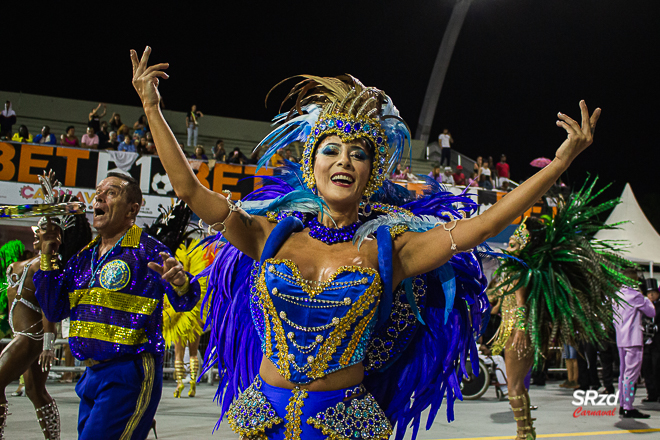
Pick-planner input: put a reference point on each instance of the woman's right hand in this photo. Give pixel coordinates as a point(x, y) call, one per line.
point(145, 79)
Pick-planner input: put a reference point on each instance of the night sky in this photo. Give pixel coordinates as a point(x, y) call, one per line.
point(516, 64)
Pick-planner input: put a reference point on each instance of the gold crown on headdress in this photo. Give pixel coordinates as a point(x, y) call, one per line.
point(351, 111)
point(522, 234)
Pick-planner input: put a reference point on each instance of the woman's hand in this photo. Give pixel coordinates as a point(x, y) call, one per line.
point(579, 136)
point(145, 79)
point(519, 343)
point(46, 359)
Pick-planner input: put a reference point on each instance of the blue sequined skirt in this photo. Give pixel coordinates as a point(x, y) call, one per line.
point(263, 411)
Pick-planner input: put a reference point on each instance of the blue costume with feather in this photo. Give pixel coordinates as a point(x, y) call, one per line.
point(413, 339)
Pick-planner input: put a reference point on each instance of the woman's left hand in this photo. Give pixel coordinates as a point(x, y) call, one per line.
point(146, 79)
point(46, 359)
point(579, 136)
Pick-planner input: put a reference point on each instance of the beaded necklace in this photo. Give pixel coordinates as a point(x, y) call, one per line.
point(332, 235)
point(95, 267)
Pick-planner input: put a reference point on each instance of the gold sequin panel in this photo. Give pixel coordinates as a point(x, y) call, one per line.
point(124, 302)
point(107, 333)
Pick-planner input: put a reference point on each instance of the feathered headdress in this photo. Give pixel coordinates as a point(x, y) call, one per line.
point(171, 225)
point(571, 278)
point(341, 106)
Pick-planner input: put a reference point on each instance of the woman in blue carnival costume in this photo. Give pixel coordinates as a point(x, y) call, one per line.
point(342, 335)
point(564, 290)
point(31, 350)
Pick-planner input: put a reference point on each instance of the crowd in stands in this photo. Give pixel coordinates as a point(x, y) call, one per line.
point(485, 174)
point(116, 135)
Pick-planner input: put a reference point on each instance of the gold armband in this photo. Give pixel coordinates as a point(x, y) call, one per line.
point(181, 290)
point(521, 318)
point(48, 262)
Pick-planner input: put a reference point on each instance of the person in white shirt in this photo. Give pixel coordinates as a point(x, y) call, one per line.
point(445, 140)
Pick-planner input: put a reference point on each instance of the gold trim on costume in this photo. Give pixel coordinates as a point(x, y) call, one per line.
point(143, 399)
point(331, 343)
point(355, 340)
point(293, 413)
point(270, 311)
point(98, 296)
point(132, 237)
point(318, 287)
point(107, 332)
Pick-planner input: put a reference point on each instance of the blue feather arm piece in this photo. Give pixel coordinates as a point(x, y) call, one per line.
point(234, 344)
point(455, 313)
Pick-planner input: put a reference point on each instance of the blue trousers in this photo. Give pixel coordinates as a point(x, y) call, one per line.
point(118, 399)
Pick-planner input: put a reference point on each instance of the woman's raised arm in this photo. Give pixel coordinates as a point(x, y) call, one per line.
point(247, 233)
point(416, 253)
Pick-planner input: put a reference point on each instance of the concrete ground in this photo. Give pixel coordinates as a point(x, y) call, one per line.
point(485, 418)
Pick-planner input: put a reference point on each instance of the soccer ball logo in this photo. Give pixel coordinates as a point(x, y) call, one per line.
point(161, 184)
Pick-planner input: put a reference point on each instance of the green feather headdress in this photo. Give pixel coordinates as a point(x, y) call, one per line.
point(571, 278)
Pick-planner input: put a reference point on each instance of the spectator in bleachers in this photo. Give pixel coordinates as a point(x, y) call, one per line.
point(136, 142)
point(69, 139)
point(116, 124)
point(45, 137)
point(289, 156)
point(397, 173)
point(459, 177)
point(447, 177)
point(7, 121)
point(127, 145)
point(90, 139)
point(141, 126)
point(277, 159)
point(254, 158)
point(200, 153)
point(141, 145)
point(111, 144)
point(478, 164)
point(445, 140)
point(435, 173)
point(150, 143)
point(410, 176)
point(474, 179)
point(485, 182)
point(94, 117)
point(219, 153)
point(502, 171)
point(238, 158)
point(485, 176)
point(103, 133)
point(23, 135)
point(505, 186)
point(122, 132)
point(192, 125)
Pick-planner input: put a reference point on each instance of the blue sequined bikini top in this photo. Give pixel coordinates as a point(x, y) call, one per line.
point(309, 329)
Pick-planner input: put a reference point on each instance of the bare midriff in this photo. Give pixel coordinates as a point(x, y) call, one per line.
point(338, 380)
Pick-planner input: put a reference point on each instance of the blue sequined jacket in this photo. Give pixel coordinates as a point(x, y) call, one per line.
point(121, 312)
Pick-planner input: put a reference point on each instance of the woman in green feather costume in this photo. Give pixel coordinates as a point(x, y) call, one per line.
point(566, 287)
